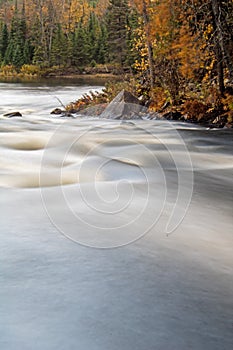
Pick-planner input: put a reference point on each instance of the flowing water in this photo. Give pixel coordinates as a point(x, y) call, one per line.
point(114, 234)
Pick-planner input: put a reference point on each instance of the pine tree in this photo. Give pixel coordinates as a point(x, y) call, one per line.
point(93, 35)
point(59, 47)
point(132, 38)
point(117, 22)
point(15, 53)
point(4, 41)
point(102, 54)
point(18, 56)
point(81, 46)
point(27, 52)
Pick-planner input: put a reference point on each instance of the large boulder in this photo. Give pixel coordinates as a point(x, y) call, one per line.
point(124, 106)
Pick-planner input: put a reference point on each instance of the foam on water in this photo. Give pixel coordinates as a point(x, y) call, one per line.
point(161, 191)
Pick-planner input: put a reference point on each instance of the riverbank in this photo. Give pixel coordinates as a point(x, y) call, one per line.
point(36, 72)
point(199, 105)
point(196, 105)
point(214, 112)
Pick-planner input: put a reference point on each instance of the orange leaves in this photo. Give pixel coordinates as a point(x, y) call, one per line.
point(187, 48)
point(66, 12)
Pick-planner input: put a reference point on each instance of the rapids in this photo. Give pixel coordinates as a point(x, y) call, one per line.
point(75, 190)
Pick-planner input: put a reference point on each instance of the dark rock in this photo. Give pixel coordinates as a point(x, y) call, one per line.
point(67, 114)
point(172, 115)
point(126, 97)
point(57, 111)
point(124, 106)
point(13, 114)
point(62, 113)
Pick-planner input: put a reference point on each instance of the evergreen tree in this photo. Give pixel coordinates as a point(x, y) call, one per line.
point(92, 35)
point(81, 46)
point(4, 41)
point(16, 50)
point(18, 56)
point(27, 52)
point(132, 38)
point(69, 49)
point(9, 52)
point(117, 22)
point(38, 55)
point(102, 55)
point(59, 47)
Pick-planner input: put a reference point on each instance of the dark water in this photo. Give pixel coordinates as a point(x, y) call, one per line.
point(114, 235)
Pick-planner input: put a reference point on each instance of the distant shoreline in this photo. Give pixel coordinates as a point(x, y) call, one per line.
point(17, 77)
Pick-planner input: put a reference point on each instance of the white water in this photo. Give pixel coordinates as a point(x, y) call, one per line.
point(160, 192)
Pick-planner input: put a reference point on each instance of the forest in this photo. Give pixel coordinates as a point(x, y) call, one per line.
point(176, 55)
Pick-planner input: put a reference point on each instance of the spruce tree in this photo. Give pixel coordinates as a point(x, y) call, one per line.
point(132, 37)
point(117, 21)
point(81, 46)
point(59, 47)
point(4, 41)
point(16, 51)
point(18, 56)
point(102, 45)
point(27, 52)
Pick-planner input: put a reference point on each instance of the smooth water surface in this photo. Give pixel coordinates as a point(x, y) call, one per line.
point(114, 235)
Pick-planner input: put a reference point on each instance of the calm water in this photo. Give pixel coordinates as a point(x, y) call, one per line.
point(114, 235)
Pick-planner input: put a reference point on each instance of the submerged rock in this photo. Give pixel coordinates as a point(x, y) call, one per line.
point(13, 114)
point(93, 111)
point(62, 113)
point(58, 111)
point(124, 106)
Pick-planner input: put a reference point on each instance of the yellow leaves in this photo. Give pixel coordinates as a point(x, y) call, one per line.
point(142, 65)
point(208, 32)
point(159, 96)
point(209, 29)
point(8, 70)
point(65, 12)
point(169, 29)
point(30, 70)
point(228, 102)
point(188, 51)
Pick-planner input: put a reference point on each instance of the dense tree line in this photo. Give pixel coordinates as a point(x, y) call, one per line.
point(66, 32)
point(34, 32)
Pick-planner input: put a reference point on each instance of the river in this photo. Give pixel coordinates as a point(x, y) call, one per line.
point(114, 234)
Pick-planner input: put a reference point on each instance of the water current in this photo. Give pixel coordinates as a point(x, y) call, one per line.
point(114, 234)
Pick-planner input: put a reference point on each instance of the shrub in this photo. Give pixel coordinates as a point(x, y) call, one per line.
point(159, 97)
point(8, 70)
point(30, 69)
point(195, 109)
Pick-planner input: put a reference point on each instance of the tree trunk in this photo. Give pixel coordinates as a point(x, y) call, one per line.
point(148, 43)
point(217, 8)
point(220, 71)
